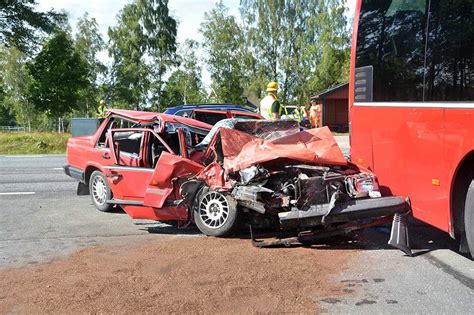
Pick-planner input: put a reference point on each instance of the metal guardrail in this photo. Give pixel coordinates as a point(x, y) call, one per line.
point(12, 129)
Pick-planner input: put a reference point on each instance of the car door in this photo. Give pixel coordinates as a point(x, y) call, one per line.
point(129, 181)
point(159, 172)
point(170, 172)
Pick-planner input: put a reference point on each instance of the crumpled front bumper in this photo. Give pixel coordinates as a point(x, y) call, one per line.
point(353, 210)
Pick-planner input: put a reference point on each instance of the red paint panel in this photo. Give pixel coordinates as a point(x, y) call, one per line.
point(408, 154)
point(316, 146)
point(214, 176)
point(129, 184)
point(362, 124)
point(407, 146)
point(168, 168)
point(149, 213)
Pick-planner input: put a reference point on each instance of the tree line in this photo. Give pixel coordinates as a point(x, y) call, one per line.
point(47, 71)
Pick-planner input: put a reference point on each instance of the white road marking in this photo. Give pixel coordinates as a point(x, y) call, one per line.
point(18, 193)
point(22, 156)
point(58, 168)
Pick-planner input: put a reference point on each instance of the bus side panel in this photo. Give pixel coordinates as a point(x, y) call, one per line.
point(408, 157)
point(361, 136)
point(459, 138)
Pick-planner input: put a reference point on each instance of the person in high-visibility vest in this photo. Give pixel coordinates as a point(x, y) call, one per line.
point(315, 113)
point(270, 107)
point(298, 113)
point(101, 112)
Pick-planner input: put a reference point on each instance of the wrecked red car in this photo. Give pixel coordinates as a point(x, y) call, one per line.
point(242, 172)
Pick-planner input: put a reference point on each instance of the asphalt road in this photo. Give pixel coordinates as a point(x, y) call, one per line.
point(42, 218)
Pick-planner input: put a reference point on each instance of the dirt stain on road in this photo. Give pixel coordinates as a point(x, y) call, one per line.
point(191, 275)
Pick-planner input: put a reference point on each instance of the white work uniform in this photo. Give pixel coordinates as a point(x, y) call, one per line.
point(266, 106)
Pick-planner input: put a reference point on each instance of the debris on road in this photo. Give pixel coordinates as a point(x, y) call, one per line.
point(180, 275)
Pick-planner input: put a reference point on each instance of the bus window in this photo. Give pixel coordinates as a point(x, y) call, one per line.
point(391, 38)
point(449, 55)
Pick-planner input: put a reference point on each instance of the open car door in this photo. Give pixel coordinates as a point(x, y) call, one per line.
point(159, 173)
point(170, 171)
point(128, 181)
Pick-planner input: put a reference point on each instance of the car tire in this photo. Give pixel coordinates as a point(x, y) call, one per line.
point(469, 218)
point(216, 214)
point(100, 191)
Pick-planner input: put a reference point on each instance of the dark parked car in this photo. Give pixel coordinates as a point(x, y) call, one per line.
point(186, 110)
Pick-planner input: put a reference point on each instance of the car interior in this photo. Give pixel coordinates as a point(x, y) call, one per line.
point(130, 142)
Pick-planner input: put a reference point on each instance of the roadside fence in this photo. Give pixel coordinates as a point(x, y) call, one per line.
point(12, 129)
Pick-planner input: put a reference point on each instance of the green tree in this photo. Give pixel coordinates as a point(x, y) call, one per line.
point(331, 53)
point(160, 31)
point(89, 43)
point(143, 47)
point(19, 23)
point(184, 85)
point(59, 76)
point(224, 43)
point(302, 44)
point(129, 71)
point(15, 80)
point(6, 117)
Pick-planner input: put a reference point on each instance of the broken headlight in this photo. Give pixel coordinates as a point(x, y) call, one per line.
point(362, 185)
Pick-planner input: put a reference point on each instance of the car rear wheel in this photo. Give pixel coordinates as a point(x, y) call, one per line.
point(216, 214)
point(100, 191)
point(469, 218)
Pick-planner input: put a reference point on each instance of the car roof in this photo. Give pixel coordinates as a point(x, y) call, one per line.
point(172, 110)
point(145, 117)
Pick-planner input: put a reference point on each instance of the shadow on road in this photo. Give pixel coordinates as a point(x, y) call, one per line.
point(168, 229)
point(423, 238)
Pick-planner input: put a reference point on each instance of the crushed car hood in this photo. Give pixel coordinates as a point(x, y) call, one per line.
point(315, 146)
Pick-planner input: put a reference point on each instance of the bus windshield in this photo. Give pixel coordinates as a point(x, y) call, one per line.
point(420, 50)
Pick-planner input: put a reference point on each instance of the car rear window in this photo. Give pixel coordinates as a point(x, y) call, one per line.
point(209, 118)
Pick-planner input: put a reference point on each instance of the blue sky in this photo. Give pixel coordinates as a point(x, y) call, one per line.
point(189, 13)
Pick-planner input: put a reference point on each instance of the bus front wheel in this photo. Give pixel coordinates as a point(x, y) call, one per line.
point(469, 218)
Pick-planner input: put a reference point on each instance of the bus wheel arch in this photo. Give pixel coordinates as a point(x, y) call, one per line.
point(463, 176)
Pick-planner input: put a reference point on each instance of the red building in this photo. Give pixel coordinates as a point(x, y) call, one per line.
point(335, 107)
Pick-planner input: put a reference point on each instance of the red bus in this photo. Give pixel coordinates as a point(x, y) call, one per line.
point(411, 102)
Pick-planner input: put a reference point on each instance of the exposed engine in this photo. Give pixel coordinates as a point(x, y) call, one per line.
point(273, 189)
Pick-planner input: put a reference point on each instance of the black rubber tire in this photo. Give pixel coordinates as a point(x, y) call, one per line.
point(231, 222)
point(104, 207)
point(469, 218)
